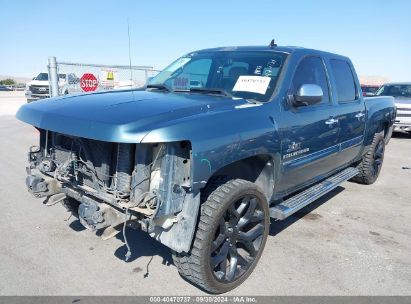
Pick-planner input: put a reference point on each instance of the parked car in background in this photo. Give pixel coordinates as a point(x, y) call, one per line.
point(401, 92)
point(39, 87)
point(20, 87)
point(6, 88)
point(369, 90)
point(214, 146)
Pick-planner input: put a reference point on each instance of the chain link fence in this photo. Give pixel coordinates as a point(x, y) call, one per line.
point(67, 77)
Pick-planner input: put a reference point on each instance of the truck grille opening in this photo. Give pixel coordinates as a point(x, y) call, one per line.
point(39, 89)
point(121, 174)
point(95, 155)
point(92, 163)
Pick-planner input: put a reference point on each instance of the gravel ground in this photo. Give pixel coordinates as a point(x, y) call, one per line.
point(354, 241)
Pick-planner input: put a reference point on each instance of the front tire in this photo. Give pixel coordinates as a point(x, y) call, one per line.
point(230, 237)
point(371, 163)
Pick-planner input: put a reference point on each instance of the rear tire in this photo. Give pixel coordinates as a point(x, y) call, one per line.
point(230, 237)
point(371, 163)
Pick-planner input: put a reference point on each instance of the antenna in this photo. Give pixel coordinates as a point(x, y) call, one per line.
point(272, 44)
point(129, 51)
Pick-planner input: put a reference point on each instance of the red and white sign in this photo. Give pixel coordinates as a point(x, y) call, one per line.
point(88, 82)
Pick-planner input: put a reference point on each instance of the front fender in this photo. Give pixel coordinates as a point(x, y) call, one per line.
point(222, 138)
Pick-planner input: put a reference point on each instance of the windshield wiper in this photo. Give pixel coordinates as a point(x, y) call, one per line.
point(159, 86)
point(221, 92)
point(211, 91)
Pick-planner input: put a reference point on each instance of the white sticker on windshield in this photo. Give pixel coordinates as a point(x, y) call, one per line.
point(254, 84)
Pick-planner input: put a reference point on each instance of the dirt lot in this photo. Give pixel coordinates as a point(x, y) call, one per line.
point(355, 241)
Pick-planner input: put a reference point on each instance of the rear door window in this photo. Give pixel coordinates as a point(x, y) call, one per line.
point(344, 80)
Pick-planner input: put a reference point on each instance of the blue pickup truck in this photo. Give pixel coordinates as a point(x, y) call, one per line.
point(209, 150)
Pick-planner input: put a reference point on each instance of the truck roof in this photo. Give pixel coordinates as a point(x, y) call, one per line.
point(285, 49)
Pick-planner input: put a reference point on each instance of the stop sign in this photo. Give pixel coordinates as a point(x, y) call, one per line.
point(88, 82)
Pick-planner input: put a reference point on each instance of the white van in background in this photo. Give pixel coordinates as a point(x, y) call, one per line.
point(39, 87)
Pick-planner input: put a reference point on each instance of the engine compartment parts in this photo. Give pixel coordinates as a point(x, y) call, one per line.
point(111, 184)
point(98, 216)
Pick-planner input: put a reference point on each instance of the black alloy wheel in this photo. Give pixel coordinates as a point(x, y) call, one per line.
point(230, 238)
point(237, 239)
point(378, 157)
point(371, 163)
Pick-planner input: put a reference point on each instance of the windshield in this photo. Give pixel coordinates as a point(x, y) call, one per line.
point(249, 75)
point(369, 89)
point(42, 76)
point(395, 90)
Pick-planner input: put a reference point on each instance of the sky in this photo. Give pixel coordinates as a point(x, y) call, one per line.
point(374, 34)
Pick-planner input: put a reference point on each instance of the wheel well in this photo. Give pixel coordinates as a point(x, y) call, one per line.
point(257, 169)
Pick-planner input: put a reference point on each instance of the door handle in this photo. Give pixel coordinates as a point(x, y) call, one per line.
point(331, 121)
point(360, 115)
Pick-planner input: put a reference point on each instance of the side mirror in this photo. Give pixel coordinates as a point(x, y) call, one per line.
point(308, 94)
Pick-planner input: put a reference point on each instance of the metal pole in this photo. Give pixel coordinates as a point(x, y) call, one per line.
point(48, 73)
point(53, 77)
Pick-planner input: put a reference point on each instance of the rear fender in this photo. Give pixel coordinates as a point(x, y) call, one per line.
point(381, 117)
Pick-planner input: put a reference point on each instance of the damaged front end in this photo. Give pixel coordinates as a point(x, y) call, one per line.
point(146, 186)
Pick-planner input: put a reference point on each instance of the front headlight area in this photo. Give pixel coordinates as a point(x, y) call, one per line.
point(161, 178)
point(148, 182)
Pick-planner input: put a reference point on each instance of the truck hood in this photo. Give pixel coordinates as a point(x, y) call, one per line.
point(39, 82)
point(120, 116)
point(44, 82)
point(402, 102)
